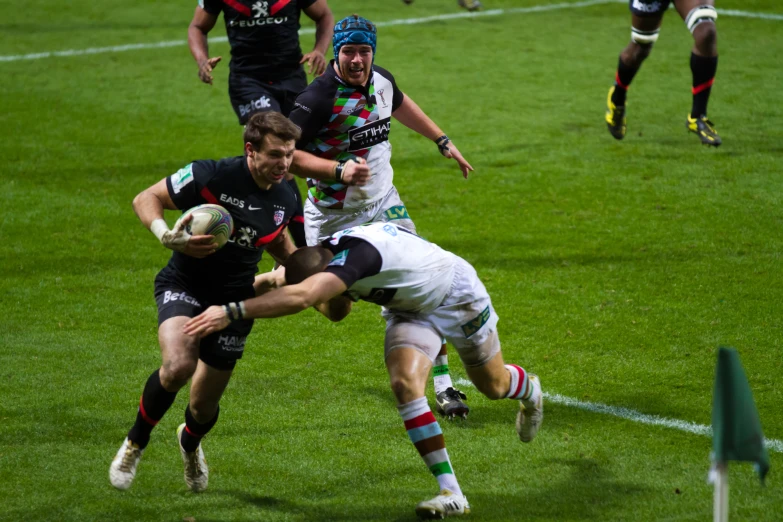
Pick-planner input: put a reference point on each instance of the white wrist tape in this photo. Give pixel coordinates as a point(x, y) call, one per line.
point(159, 227)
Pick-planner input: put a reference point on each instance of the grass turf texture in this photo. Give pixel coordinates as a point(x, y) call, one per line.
point(616, 269)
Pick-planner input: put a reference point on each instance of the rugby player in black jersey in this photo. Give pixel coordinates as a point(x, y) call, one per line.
point(198, 275)
point(646, 18)
point(266, 72)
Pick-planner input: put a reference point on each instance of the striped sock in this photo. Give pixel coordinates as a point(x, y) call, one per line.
point(520, 385)
point(424, 431)
point(440, 373)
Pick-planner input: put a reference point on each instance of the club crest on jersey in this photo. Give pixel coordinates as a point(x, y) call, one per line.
point(279, 215)
point(475, 325)
point(389, 229)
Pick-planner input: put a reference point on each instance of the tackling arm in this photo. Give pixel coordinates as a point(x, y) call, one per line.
point(288, 300)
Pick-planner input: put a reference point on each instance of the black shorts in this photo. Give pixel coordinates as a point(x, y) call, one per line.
point(250, 95)
point(648, 7)
point(221, 349)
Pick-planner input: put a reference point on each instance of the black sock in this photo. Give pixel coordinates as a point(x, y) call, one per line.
point(155, 402)
point(622, 80)
point(194, 432)
point(296, 226)
point(703, 69)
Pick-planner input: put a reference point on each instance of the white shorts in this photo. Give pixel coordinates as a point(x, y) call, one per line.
point(320, 223)
point(466, 319)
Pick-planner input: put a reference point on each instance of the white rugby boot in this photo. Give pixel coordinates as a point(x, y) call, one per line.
point(123, 468)
point(446, 504)
point(196, 470)
point(531, 411)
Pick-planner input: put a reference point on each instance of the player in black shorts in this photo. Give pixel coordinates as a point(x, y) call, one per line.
point(646, 18)
point(266, 72)
point(251, 188)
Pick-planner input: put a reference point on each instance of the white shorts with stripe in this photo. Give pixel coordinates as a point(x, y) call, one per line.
point(466, 319)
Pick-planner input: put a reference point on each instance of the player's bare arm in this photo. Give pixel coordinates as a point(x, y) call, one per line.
point(268, 281)
point(320, 13)
point(411, 115)
point(352, 172)
point(288, 300)
point(199, 27)
point(149, 205)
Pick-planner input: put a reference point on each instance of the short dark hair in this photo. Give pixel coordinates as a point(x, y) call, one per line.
point(274, 123)
point(305, 262)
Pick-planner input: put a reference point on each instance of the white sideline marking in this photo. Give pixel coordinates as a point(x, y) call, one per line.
point(635, 416)
point(401, 21)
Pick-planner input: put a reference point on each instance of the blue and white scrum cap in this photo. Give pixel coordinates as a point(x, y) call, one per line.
point(354, 30)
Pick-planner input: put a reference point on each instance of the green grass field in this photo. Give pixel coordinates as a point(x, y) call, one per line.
point(617, 269)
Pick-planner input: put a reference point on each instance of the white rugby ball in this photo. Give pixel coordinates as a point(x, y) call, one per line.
point(209, 220)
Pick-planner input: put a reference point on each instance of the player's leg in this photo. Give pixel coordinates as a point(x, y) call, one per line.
point(201, 415)
point(497, 380)
point(179, 353)
point(410, 348)
point(449, 401)
point(469, 322)
point(699, 17)
point(645, 24)
point(218, 356)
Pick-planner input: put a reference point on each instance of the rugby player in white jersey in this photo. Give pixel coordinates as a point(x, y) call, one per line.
point(426, 293)
point(346, 115)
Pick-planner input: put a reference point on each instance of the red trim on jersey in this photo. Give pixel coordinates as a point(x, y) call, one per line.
point(421, 420)
point(144, 415)
point(206, 194)
point(705, 85)
point(278, 6)
point(269, 237)
point(520, 382)
point(245, 10)
point(618, 82)
point(298, 219)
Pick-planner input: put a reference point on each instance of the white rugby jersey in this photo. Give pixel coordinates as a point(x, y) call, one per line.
point(389, 266)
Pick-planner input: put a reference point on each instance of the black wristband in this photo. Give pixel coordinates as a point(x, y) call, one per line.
point(338, 171)
point(234, 311)
point(443, 143)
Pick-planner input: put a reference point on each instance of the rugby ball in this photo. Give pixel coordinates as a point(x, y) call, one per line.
point(209, 220)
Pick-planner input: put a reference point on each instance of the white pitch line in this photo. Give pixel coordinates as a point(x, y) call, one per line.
point(636, 416)
point(401, 21)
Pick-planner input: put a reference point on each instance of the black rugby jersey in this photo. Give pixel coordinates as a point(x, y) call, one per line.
point(259, 216)
point(263, 34)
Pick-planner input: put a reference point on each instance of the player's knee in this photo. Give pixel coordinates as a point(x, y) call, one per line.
point(174, 374)
point(635, 54)
point(701, 23)
point(705, 37)
point(404, 388)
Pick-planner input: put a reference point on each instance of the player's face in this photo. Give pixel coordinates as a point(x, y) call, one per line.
point(269, 165)
point(355, 63)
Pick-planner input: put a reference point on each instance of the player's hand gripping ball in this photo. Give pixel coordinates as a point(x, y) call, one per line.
point(209, 220)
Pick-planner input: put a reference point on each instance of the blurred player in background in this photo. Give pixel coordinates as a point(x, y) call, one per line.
point(266, 72)
point(427, 293)
point(345, 115)
point(250, 187)
point(646, 18)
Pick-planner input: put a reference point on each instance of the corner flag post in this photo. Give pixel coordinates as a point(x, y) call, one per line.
point(736, 428)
